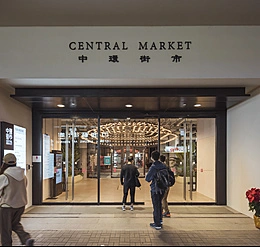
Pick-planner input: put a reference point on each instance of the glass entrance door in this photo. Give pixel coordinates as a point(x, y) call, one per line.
point(121, 138)
point(92, 154)
point(189, 161)
point(83, 157)
point(191, 155)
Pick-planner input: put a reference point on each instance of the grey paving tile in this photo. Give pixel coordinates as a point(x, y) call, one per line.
point(198, 226)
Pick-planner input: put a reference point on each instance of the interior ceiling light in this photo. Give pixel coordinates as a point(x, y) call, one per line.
point(61, 105)
point(73, 102)
point(197, 105)
point(130, 133)
point(128, 105)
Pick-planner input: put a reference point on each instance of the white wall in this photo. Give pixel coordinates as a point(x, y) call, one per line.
point(206, 157)
point(13, 112)
point(243, 149)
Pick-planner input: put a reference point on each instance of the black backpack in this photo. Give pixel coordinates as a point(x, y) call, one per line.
point(164, 179)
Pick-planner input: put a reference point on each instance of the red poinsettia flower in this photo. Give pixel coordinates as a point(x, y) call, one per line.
point(253, 196)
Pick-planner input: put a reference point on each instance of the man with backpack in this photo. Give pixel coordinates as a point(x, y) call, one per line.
point(156, 192)
point(165, 206)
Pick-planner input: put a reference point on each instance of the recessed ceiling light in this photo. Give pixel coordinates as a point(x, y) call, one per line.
point(61, 105)
point(197, 105)
point(128, 105)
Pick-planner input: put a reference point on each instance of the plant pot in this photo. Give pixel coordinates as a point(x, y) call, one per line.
point(257, 221)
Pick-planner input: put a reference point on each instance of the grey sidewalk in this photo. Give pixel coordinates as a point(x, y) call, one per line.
point(110, 226)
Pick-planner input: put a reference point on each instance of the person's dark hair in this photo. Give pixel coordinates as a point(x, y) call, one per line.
point(162, 158)
point(155, 155)
point(4, 166)
point(130, 158)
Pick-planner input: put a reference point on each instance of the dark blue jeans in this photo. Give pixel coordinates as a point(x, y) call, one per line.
point(157, 207)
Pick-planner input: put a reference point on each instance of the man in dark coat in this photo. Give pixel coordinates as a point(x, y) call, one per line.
point(156, 195)
point(128, 176)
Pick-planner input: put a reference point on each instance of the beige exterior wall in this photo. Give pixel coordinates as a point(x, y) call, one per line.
point(13, 112)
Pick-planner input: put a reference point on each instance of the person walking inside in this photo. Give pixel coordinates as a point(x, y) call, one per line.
point(156, 195)
point(165, 207)
point(128, 176)
point(13, 199)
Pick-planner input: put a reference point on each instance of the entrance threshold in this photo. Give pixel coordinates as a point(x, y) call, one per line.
point(90, 203)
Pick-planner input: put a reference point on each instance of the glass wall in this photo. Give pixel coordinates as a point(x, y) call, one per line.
point(82, 160)
point(190, 152)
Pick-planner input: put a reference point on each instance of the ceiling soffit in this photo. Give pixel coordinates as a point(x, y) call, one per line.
point(157, 100)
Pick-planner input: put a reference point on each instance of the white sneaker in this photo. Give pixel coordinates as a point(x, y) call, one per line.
point(123, 208)
point(131, 208)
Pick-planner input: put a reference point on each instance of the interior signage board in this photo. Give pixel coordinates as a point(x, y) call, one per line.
point(173, 149)
point(107, 160)
point(7, 135)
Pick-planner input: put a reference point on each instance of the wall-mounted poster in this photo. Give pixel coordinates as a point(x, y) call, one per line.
point(107, 160)
point(58, 165)
point(14, 141)
point(20, 145)
point(48, 158)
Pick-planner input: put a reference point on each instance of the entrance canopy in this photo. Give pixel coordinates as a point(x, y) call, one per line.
point(145, 101)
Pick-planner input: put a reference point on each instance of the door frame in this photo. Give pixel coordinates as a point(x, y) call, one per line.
point(37, 149)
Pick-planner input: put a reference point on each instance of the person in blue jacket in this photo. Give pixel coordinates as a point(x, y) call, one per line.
point(156, 194)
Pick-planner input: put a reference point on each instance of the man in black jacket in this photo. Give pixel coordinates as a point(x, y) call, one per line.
point(127, 178)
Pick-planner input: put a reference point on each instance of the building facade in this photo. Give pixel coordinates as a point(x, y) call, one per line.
point(164, 72)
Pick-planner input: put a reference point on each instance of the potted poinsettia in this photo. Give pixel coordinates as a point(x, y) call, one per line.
point(253, 196)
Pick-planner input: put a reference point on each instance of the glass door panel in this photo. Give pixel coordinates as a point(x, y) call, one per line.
point(74, 140)
point(194, 168)
point(120, 138)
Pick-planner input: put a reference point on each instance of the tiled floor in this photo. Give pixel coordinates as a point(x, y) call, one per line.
point(110, 226)
point(85, 190)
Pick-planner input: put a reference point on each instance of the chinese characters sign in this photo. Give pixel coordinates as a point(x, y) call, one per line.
point(171, 46)
point(174, 52)
point(8, 136)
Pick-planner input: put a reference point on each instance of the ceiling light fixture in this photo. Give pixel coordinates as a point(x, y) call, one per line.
point(128, 105)
point(129, 133)
point(73, 102)
point(61, 105)
point(197, 105)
